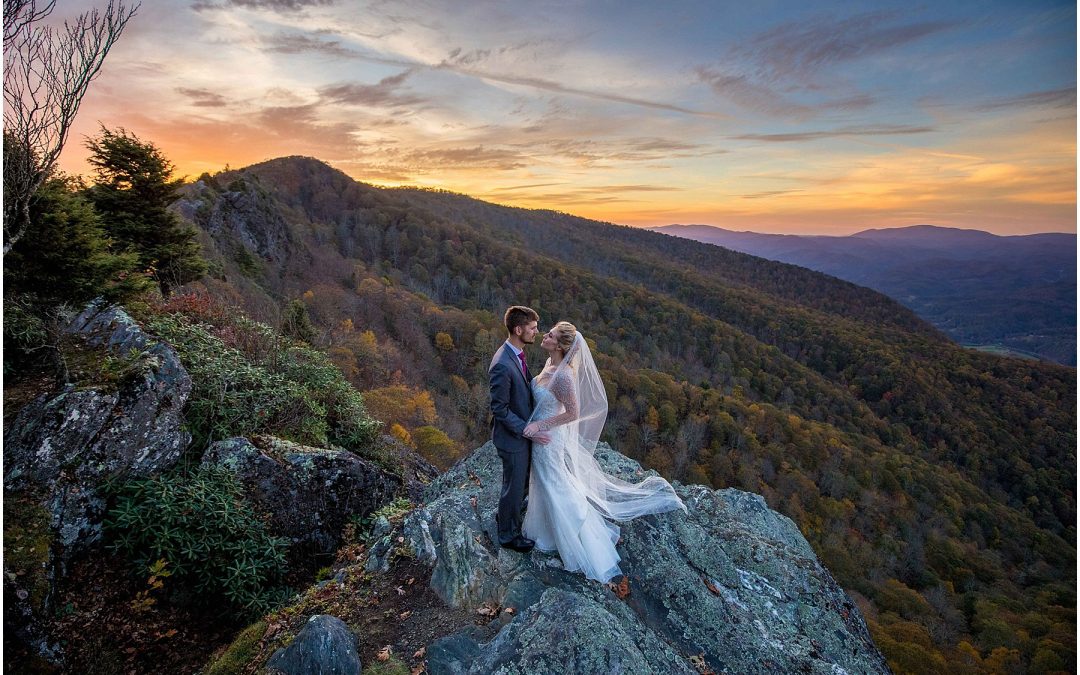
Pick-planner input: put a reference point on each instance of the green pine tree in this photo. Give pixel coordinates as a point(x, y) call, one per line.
point(66, 255)
point(133, 188)
point(296, 323)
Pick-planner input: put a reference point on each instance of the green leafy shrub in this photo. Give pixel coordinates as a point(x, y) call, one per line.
point(202, 526)
point(249, 379)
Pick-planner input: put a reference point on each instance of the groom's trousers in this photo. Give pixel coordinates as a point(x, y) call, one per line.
point(515, 485)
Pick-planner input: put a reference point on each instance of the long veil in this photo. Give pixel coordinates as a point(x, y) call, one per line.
point(613, 497)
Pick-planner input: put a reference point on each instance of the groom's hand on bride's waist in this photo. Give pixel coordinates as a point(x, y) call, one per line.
point(540, 436)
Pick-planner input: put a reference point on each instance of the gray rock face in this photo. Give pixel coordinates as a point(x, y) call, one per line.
point(309, 492)
point(242, 213)
point(71, 442)
point(325, 646)
point(732, 586)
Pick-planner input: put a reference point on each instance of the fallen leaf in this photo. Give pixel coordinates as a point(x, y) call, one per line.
point(410, 581)
point(472, 501)
point(709, 585)
point(400, 590)
point(419, 653)
point(509, 610)
point(404, 615)
point(384, 654)
point(419, 668)
point(487, 609)
point(621, 589)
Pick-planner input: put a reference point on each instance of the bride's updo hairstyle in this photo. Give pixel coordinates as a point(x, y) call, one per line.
point(564, 335)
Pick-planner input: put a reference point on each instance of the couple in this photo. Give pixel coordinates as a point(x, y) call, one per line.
point(545, 429)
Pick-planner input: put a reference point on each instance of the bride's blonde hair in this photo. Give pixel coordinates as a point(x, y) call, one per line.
point(564, 335)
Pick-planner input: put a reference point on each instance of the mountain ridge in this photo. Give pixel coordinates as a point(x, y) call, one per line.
point(1017, 291)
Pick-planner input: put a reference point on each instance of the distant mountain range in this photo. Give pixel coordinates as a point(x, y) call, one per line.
point(1013, 294)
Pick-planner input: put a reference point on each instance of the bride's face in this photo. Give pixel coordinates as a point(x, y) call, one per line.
point(549, 343)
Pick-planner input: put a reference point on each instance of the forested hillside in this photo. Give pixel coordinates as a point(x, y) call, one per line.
point(936, 483)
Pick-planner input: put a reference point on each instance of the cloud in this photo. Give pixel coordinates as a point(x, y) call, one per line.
point(799, 50)
point(559, 88)
point(204, 98)
point(300, 124)
point(593, 151)
point(741, 89)
point(768, 193)
point(478, 157)
point(273, 5)
point(799, 136)
point(777, 72)
point(383, 94)
point(301, 43)
point(463, 63)
point(1049, 98)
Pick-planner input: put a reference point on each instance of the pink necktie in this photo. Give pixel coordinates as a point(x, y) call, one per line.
point(524, 368)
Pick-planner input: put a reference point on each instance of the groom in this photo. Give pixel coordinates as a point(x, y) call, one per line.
point(511, 406)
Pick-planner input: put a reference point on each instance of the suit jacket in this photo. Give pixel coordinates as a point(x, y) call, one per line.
point(511, 401)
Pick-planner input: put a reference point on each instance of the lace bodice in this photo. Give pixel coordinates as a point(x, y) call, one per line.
point(551, 396)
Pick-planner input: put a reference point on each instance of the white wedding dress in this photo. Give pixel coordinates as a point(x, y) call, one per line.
point(559, 517)
point(572, 501)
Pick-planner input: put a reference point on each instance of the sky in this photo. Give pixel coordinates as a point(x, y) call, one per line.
point(790, 117)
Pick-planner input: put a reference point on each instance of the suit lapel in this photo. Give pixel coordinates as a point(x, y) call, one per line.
point(515, 363)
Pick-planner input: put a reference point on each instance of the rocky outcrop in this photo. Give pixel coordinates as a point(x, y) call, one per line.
point(325, 645)
point(67, 444)
point(241, 214)
point(732, 586)
point(310, 493)
point(61, 448)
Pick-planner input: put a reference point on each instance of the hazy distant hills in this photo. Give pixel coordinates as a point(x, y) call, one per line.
point(981, 289)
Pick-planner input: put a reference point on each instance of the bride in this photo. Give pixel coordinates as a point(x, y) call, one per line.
point(570, 497)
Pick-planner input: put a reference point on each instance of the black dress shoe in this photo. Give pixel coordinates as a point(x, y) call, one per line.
point(520, 544)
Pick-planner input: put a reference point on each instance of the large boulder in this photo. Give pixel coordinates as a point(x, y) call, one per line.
point(732, 586)
point(310, 493)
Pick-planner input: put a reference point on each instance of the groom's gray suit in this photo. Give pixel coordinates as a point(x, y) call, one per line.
point(511, 406)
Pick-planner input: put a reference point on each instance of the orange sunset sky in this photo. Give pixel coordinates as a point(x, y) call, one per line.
point(808, 118)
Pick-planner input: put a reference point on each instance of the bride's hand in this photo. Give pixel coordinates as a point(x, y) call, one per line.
point(531, 430)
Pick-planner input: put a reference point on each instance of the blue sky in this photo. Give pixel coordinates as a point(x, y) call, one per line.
point(822, 118)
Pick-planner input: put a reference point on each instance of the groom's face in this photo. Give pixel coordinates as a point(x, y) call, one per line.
point(528, 332)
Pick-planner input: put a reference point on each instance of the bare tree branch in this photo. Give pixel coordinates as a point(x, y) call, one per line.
point(47, 71)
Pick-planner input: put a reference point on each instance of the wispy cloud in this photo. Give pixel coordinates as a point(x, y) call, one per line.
point(768, 193)
point(383, 94)
point(306, 43)
point(203, 98)
point(1048, 98)
point(884, 130)
point(476, 157)
point(301, 124)
point(275, 5)
point(778, 71)
point(800, 50)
